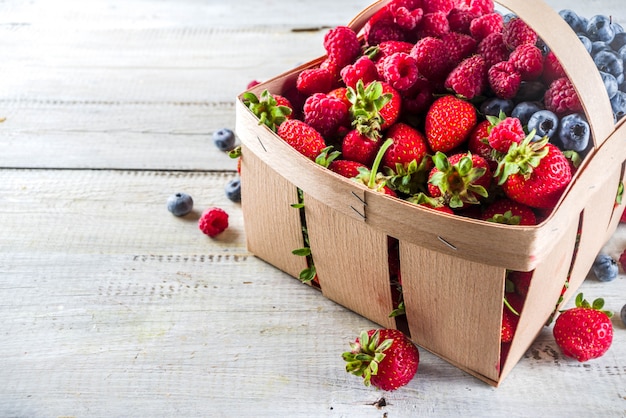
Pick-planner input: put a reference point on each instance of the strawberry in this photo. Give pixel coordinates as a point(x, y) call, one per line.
point(302, 137)
point(462, 179)
point(584, 332)
point(469, 78)
point(315, 80)
point(521, 281)
point(448, 123)
point(509, 324)
point(534, 173)
point(399, 70)
point(478, 144)
point(325, 113)
point(506, 211)
point(504, 80)
point(372, 178)
point(271, 109)
point(360, 148)
point(342, 45)
point(408, 145)
point(385, 358)
point(375, 107)
point(346, 168)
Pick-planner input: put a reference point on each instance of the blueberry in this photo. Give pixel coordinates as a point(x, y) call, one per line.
point(605, 267)
point(622, 314)
point(180, 204)
point(610, 62)
point(224, 139)
point(586, 42)
point(617, 28)
point(524, 110)
point(544, 122)
point(610, 83)
point(598, 46)
point(622, 87)
point(577, 23)
point(530, 91)
point(599, 29)
point(618, 103)
point(619, 41)
point(233, 190)
point(574, 133)
point(493, 106)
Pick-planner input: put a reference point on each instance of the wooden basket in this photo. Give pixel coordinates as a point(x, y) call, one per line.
point(453, 279)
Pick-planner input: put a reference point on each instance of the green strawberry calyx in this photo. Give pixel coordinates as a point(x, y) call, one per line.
point(522, 157)
point(409, 179)
point(365, 355)
point(366, 105)
point(597, 304)
point(371, 177)
point(457, 181)
point(506, 218)
point(266, 108)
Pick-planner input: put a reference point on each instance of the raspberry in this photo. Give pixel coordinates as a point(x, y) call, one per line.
point(433, 24)
point(362, 69)
point(552, 68)
point(399, 70)
point(622, 260)
point(469, 78)
point(213, 221)
point(333, 67)
point(561, 97)
point(342, 44)
point(493, 49)
point(504, 80)
point(479, 7)
point(485, 25)
point(516, 32)
point(383, 30)
point(459, 46)
point(325, 113)
point(460, 20)
point(418, 98)
point(431, 56)
point(527, 59)
point(384, 49)
point(408, 19)
point(505, 133)
point(315, 80)
point(444, 6)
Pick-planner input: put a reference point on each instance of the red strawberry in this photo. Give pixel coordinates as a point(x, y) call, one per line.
point(315, 80)
point(360, 148)
point(432, 58)
point(505, 132)
point(342, 45)
point(363, 69)
point(325, 113)
point(516, 32)
point(469, 78)
point(509, 324)
point(521, 281)
point(462, 179)
point(346, 168)
point(527, 60)
point(584, 332)
point(399, 70)
point(408, 145)
point(504, 80)
point(509, 212)
point(561, 97)
point(372, 178)
point(302, 137)
point(271, 109)
point(534, 173)
point(375, 107)
point(340, 93)
point(448, 123)
point(478, 144)
point(385, 358)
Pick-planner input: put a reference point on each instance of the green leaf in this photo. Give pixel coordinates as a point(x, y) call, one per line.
point(598, 304)
point(297, 205)
point(307, 274)
point(303, 252)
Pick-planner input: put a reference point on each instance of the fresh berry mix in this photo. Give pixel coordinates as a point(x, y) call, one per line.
point(213, 221)
point(427, 75)
point(233, 190)
point(605, 268)
point(179, 204)
point(384, 358)
point(584, 332)
point(224, 139)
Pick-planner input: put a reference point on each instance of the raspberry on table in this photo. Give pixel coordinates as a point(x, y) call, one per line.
point(213, 221)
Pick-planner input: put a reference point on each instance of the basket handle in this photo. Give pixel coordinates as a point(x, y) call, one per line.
point(561, 39)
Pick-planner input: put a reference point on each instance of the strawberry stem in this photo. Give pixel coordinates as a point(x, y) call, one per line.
point(379, 157)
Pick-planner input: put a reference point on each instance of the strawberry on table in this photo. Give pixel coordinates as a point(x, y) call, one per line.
point(584, 332)
point(384, 358)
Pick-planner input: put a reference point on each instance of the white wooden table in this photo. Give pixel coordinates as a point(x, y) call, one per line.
point(112, 307)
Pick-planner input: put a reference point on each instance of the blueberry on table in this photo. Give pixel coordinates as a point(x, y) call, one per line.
point(544, 122)
point(605, 268)
point(180, 204)
point(233, 190)
point(574, 133)
point(224, 139)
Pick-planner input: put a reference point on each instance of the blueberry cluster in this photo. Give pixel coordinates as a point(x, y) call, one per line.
point(605, 40)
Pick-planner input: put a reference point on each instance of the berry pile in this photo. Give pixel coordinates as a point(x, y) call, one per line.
point(479, 111)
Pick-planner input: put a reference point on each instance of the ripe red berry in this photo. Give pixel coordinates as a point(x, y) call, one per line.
point(315, 80)
point(504, 80)
point(342, 44)
point(325, 113)
point(516, 32)
point(213, 221)
point(485, 25)
point(561, 97)
point(399, 70)
point(527, 60)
